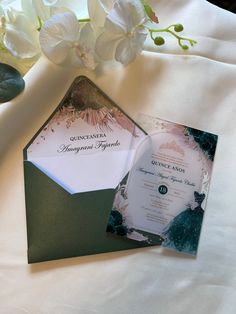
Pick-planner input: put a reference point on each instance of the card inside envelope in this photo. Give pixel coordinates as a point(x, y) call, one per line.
point(73, 166)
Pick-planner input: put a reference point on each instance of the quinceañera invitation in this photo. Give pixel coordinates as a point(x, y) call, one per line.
point(87, 144)
point(91, 168)
point(162, 200)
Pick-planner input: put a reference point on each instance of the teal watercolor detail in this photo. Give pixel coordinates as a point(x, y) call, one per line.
point(206, 141)
point(116, 224)
point(183, 232)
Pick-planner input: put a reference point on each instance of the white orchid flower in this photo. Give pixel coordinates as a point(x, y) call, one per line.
point(65, 41)
point(98, 10)
point(124, 33)
point(20, 35)
point(9, 20)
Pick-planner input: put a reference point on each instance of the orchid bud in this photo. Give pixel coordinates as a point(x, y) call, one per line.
point(159, 41)
point(178, 28)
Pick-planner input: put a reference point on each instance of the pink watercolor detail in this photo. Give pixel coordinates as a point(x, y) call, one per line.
point(103, 119)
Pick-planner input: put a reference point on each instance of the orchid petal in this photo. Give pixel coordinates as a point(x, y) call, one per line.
point(127, 50)
point(85, 47)
point(114, 28)
point(57, 36)
point(63, 26)
point(21, 38)
point(96, 13)
point(127, 13)
point(98, 10)
point(29, 11)
point(124, 34)
point(106, 45)
point(18, 44)
point(42, 11)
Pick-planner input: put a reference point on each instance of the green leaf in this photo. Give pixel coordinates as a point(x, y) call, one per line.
point(149, 11)
point(11, 82)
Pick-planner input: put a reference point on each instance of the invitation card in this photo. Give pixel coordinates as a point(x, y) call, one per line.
point(162, 200)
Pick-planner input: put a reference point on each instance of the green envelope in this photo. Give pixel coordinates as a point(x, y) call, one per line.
point(62, 224)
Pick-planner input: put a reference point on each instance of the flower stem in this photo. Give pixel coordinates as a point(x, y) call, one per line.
point(84, 20)
point(168, 30)
point(40, 24)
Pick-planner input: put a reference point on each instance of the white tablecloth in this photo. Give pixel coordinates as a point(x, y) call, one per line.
point(195, 88)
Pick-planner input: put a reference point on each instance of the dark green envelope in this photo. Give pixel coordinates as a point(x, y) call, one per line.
point(61, 225)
